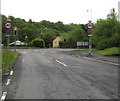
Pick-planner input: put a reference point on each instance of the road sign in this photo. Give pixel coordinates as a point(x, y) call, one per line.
point(7, 31)
point(89, 31)
point(90, 25)
point(8, 25)
point(82, 43)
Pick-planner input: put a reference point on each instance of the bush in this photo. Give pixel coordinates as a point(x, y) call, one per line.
point(37, 43)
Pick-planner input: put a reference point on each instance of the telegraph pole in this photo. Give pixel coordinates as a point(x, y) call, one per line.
point(119, 11)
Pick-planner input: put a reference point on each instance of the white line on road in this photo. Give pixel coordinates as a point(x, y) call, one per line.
point(42, 53)
point(24, 52)
point(11, 73)
point(51, 58)
point(3, 96)
point(8, 82)
point(61, 63)
point(23, 60)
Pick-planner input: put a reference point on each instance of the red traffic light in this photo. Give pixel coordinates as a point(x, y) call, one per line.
point(15, 28)
point(26, 37)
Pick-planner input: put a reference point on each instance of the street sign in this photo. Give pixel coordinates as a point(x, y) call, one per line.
point(89, 31)
point(82, 43)
point(7, 31)
point(90, 25)
point(8, 25)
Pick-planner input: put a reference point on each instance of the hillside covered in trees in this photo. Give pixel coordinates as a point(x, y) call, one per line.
point(105, 32)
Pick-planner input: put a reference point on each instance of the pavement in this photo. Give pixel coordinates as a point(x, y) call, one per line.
point(52, 74)
point(85, 54)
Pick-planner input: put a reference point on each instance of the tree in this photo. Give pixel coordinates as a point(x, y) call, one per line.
point(106, 32)
point(37, 42)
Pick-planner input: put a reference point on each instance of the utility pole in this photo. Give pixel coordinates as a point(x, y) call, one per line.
point(119, 11)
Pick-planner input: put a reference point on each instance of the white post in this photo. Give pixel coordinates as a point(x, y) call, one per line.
point(119, 10)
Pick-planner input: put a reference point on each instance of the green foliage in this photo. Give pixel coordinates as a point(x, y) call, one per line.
point(8, 58)
point(106, 32)
point(37, 42)
point(72, 37)
point(108, 52)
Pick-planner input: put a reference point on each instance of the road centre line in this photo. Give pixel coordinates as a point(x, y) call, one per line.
point(23, 60)
point(8, 82)
point(42, 53)
point(61, 63)
point(24, 52)
point(3, 96)
point(11, 73)
point(51, 58)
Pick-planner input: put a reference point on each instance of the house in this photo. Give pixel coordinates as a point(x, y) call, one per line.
point(56, 41)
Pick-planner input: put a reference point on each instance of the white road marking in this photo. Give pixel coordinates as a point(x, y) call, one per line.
point(8, 82)
point(51, 58)
point(24, 52)
point(3, 96)
point(11, 73)
point(42, 53)
point(61, 63)
point(23, 60)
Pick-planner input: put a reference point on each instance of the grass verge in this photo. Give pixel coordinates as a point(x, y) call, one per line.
point(8, 58)
point(114, 51)
point(108, 52)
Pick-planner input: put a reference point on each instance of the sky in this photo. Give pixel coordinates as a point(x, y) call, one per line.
point(67, 11)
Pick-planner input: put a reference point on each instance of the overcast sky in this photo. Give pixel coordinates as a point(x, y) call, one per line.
point(67, 11)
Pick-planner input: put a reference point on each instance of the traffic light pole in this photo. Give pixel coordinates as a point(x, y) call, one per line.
point(15, 42)
point(15, 34)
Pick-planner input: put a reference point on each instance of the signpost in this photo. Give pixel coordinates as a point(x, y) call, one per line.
point(8, 25)
point(89, 31)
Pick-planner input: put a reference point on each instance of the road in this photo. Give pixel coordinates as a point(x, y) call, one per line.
point(49, 74)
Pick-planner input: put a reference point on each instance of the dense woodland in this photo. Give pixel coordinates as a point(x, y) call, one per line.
point(105, 32)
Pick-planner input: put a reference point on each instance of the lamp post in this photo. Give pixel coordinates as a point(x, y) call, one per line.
point(41, 35)
point(90, 32)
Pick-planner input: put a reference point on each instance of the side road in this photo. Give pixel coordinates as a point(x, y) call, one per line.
point(85, 54)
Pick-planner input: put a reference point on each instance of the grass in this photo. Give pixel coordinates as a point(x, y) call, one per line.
point(8, 58)
point(107, 52)
point(19, 47)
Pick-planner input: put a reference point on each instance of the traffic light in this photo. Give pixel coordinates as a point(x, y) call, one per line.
point(15, 31)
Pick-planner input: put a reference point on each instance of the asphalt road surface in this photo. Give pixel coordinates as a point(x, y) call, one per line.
point(49, 74)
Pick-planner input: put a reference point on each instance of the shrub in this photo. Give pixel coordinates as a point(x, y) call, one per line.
point(37, 42)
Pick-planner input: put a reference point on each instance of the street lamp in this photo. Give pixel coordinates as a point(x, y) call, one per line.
point(90, 14)
point(41, 35)
point(90, 36)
